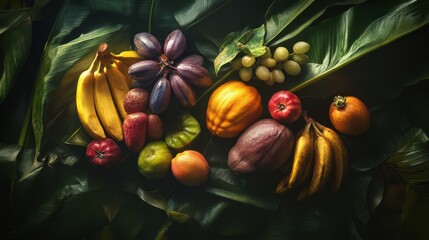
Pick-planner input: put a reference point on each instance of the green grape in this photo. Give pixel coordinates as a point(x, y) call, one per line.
point(267, 53)
point(262, 73)
point(270, 81)
point(268, 62)
point(245, 73)
point(281, 54)
point(292, 68)
point(278, 76)
point(301, 47)
point(300, 58)
point(236, 64)
point(248, 60)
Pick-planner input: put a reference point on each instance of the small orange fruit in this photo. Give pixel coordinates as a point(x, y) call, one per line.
point(349, 115)
point(190, 168)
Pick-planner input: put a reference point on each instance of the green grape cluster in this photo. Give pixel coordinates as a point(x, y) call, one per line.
point(272, 67)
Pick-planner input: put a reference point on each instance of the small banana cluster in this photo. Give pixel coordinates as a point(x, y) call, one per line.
point(101, 91)
point(320, 161)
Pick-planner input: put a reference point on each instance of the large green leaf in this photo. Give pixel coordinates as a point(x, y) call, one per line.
point(189, 13)
point(15, 43)
point(286, 19)
point(281, 14)
point(411, 161)
point(363, 28)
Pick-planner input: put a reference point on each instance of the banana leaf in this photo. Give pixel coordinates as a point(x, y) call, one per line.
point(15, 43)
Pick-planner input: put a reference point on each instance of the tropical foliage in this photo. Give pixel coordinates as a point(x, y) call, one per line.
point(372, 49)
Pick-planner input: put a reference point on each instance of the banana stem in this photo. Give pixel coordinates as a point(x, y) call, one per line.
point(307, 118)
point(103, 51)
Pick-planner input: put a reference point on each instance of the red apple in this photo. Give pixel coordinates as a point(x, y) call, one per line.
point(285, 107)
point(104, 152)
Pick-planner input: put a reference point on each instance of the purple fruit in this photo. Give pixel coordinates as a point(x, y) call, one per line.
point(147, 45)
point(184, 92)
point(174, 45)
point(194, 74)
point(144, 70)
point(160, 96)
point(193, 59)
point(262, 148)
point(134, 126)
point(155, 128)
point(136, 100)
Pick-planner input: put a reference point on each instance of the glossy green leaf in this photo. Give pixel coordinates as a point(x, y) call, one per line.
point(78, 138)
point(411, 161)
point(249, 41)
point(363, 28)
point(281, 14)
point(8, 160)
point(15, 43)
point(284, 24)
point(189, 13)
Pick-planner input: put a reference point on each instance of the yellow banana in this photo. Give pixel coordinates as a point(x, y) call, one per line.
point(322, 164)
point(85, 106)
point(123, 69)
point(118, 86)
point(303, 153)
point(127, 57)
point(340, 156)
point(105, 106)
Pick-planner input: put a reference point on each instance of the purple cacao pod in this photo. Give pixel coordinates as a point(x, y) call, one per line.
point(160, 96)
point(194, 74)
point(174, 45)
point(147, 45)
point(144, 70)
point(184, 92)
point(192, 59)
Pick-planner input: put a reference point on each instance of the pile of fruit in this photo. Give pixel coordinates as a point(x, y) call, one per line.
point(121, 98)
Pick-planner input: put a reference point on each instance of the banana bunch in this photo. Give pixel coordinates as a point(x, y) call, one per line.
point(320, 161)
point(101, 91)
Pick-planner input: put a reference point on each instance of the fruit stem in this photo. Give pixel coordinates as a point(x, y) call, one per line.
point(339, 101)
point(94, 63)
point(281, 106)
point(307, 118)
point(103, 51)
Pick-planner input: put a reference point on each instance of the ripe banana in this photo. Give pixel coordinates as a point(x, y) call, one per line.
point(340, 155)
point(85, 102)
point(123, 69)
point(127, 57)
point(105, 106)
point(118, 86)
point(322, 164)
point(303, 154)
